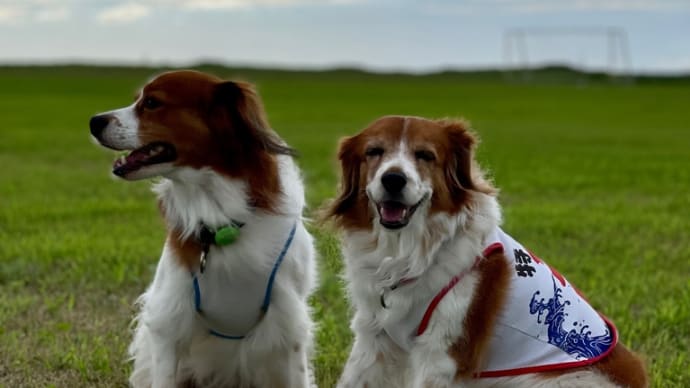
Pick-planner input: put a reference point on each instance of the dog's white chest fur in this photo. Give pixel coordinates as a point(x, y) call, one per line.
point(229, 306)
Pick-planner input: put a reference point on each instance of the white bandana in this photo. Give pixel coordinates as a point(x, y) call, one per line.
point(545, 323)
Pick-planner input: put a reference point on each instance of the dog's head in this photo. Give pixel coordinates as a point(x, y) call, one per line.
point(188, 119)
point(401, 169)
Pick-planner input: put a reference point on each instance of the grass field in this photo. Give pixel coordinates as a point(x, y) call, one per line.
point(594, 178)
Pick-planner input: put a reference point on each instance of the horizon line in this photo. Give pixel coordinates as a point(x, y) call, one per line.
point(332, 67)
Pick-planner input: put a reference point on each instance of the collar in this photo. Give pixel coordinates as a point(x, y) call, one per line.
point(437, 299)
point(223, 235)
point(491, 249)
point(400, 283)
point(451, 284)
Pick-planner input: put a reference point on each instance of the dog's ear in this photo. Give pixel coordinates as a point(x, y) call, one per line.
point(349, 189)
point(461, 172)
point(237, 115)
point(244, 141)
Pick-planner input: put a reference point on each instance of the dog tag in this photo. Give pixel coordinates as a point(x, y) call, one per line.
point(202, 259)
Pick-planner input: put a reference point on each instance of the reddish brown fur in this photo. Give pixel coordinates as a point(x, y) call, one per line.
point(489, 298)
point(624, 367)
point(451, 173)
point(216, 124)
point(187, 250)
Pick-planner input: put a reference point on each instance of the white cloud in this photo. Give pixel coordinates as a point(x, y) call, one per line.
point(596, 5)
point(546, 6)
point(216, 4)
point(614, 5)
point(11, 15)
point(124, 13)
point(239, 4)
point(16, 12)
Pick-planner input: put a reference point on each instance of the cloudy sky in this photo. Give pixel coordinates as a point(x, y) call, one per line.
point(376, 34)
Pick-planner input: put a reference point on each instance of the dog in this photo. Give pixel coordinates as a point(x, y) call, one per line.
point(443, 297)
point(228, 303)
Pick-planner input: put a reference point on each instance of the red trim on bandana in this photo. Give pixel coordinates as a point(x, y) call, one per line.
point(560, 278)
point(552, 367)
point(535, 257)
point(493, 248)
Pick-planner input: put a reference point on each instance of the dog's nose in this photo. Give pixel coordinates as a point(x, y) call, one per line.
point(393, 181)
point(98, 124)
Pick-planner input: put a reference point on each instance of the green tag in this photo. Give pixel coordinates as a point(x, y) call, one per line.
point(227, 235)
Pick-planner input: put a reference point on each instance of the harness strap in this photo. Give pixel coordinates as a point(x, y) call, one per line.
point(197, 293)
point(267, 294)
point(269, 287)
point(437, 299)
point(231, 337)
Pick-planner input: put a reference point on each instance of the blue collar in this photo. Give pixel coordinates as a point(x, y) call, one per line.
point(267, 293)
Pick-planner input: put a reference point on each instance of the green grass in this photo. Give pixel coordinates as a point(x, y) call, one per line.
point(596, 179)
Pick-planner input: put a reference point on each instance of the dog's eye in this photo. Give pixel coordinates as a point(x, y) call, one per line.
point(374, 151)
point(151, 103)
point(424, 155)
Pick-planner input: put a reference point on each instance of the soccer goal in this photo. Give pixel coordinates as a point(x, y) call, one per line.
point(592, 49)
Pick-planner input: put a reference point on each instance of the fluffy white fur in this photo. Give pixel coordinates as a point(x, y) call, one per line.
point(121, 129)
point(431, 249)
point(171, 343)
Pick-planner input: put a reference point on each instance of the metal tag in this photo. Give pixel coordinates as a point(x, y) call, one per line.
point(202, 259)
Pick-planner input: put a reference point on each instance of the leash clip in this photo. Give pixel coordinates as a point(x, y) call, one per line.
point(382, 300)
point(202, 258)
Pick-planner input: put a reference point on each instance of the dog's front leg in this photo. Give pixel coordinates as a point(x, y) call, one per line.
point(304, 375)
point(374, 362)
point(287, 368)
point(432, 367)
point(164, 367)
point(295, 370)
point(362, 369)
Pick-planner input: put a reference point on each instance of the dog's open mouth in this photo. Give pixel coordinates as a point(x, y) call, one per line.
point(150, 154)
point(395, 214)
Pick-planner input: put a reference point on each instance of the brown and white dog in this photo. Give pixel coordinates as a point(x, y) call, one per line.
point(442, 296)
point(228, 303)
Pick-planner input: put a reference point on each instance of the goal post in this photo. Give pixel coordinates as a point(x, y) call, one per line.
point(597, 49)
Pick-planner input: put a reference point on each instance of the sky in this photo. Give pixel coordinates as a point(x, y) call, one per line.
point(642, 36)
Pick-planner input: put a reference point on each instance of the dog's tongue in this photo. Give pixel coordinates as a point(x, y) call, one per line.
point(131, 161)
point(393, 212)
point(140, 157)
